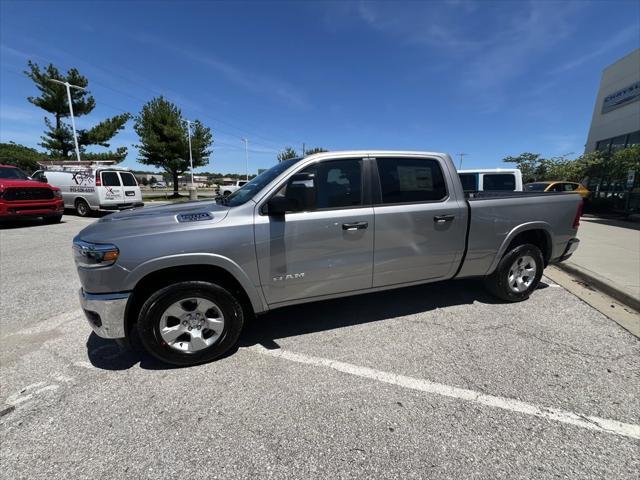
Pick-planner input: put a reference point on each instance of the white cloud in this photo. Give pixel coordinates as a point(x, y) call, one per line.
point(28, 137)
point(13, 114)
point(485, 47)
point(620, 38)
point(250, 81)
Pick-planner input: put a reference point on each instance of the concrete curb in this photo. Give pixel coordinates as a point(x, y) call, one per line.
point(605, 286)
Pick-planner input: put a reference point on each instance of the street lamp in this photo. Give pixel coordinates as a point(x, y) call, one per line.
point(192, 191)
point(73, 122)
point(246, 156)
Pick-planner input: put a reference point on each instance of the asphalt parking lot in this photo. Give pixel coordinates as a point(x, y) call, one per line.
point(438, 381)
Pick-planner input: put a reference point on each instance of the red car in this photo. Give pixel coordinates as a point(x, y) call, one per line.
point(22, 197)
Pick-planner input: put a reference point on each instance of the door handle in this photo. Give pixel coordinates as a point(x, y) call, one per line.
point(355, 226)
point(443, 218)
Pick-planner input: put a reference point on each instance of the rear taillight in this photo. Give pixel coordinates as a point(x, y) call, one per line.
point(98, 181)
point(576, 220)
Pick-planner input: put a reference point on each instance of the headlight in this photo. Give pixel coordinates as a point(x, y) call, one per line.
point(93, 255)
point(57, 194)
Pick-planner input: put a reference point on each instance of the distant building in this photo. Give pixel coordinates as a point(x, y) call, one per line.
point(148, 176)
point(198, 180)
point(616, 116)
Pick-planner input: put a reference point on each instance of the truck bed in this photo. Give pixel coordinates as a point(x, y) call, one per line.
point(495, 217)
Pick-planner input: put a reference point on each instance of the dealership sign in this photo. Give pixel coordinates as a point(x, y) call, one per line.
point(621, 97)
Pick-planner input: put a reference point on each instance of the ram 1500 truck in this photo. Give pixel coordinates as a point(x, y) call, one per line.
point(185, 277)
point(22, 197)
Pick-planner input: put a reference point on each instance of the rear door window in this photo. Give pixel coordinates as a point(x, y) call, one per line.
point(110, 179)
point(469, 182)
point(128, 180)
point(411, 180)
point(569, 187)
point(499, 181)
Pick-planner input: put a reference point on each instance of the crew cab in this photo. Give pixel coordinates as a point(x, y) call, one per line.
point(21, 197)
point(185, 277)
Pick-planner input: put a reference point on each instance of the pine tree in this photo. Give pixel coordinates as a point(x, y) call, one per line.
point(58, 136)
point(164, 141)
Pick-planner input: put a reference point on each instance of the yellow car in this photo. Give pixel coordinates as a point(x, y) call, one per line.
point(557, 186)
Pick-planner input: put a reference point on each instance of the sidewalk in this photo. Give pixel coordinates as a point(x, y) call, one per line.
point(609, 257)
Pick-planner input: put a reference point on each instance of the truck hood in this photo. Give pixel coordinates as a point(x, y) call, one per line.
point(154, 220)
point(7, 183)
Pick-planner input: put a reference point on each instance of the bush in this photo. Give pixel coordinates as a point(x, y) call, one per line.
point(23, 157)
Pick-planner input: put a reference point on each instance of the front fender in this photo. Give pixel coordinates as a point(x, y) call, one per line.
point(538, 225)
point(255, 296)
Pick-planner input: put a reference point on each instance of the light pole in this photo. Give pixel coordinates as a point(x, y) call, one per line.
point(73, 122)
point(193, 195)
point(246, 156)
point(190, 154)
point(461, 156)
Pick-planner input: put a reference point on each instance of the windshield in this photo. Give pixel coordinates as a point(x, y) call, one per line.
point(12, 173)
point(535, 187)
point(248, 190)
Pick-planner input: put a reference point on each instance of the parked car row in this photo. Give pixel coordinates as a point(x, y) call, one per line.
point(84, 188)
point(510, 180)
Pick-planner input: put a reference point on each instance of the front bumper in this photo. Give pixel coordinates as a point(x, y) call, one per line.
point(38, 208)
point(122, 206)
point(105, 313)
point(571, 247)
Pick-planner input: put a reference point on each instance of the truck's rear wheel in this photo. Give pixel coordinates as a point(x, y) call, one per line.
point(517, 274)
point(188, 323)
point(82, 208)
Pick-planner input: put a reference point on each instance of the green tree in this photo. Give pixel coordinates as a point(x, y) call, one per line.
point(164, 140)
point(624, 160)
point(58, 136)
point(531, 165)
point(311, 151)
point(287, 154)
point(23, 157)
point(600, 165)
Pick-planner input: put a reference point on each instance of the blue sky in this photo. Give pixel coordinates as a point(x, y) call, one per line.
point(486, 78)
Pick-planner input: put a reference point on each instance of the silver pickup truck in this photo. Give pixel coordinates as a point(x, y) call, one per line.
point(185, 277)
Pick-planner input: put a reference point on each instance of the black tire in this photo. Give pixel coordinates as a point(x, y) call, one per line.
point(52, 219)
point(148, 325)
point(226, 193)
point(498, 282)
point(82, 208)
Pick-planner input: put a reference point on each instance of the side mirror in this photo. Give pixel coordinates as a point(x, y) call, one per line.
point(278, 206)
point(43, 179)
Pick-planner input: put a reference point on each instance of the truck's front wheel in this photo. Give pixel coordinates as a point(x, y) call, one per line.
point(188, 323)
point(517, 274)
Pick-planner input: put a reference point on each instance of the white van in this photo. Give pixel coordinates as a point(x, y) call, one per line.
point(491, 179)
point(87, 188)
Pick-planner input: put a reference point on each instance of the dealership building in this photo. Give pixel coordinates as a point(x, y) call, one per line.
point(616, 116)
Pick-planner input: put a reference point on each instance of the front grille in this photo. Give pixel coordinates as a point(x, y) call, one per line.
point(20, 194)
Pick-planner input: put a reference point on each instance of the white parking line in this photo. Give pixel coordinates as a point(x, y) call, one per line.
point(583, 421)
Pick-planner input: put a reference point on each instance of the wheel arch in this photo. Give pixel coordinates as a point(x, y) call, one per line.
point(78, 198)
point(536, 233)
point(154, 275)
